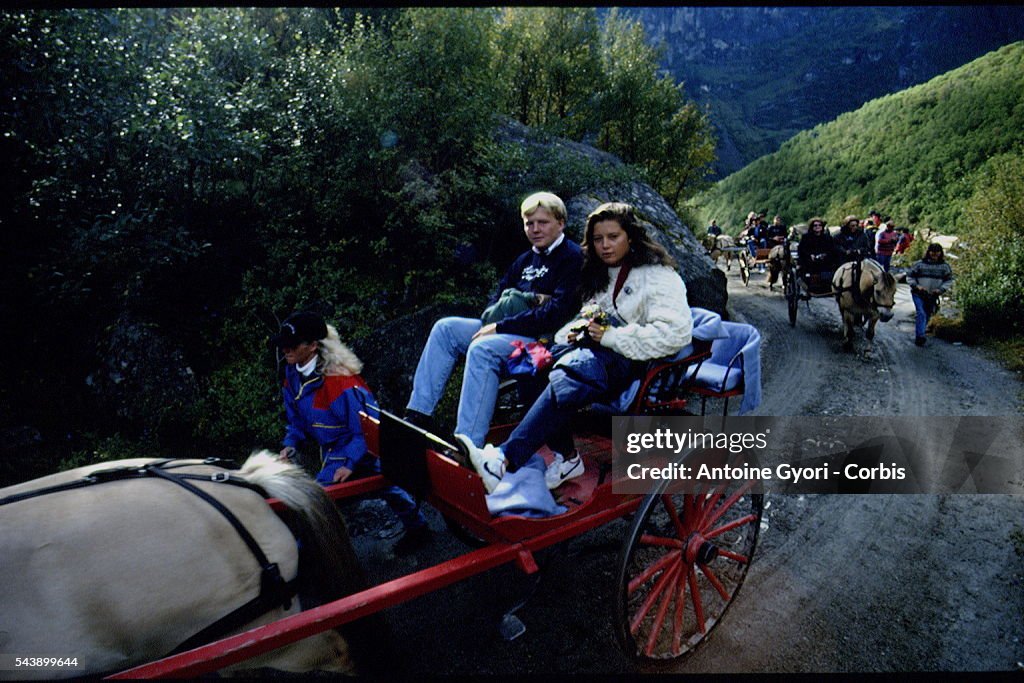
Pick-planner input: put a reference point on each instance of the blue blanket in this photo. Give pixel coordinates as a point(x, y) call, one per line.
point(524, 492)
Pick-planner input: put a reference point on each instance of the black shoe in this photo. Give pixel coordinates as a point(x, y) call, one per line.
point(421, 420)
point(919, 341)
point(413, 539)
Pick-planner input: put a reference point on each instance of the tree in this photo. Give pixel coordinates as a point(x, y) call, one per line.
point(992, 266)
point(550, 62)
point(645, 118)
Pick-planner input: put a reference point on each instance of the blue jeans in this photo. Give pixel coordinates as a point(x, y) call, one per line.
point(884, 261)
point(578, 379)
point(921, 319)
point(450, 339)
point(399, 500)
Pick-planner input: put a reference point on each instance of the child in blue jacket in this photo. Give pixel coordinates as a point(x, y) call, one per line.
point(323, 395)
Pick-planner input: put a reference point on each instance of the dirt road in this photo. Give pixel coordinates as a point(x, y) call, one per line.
point(840, 583)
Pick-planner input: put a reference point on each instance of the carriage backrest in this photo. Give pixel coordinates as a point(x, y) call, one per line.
point(734, 367)
point(666, 385)
point(371, 433)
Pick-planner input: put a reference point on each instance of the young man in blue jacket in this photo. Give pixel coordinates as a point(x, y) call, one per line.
point(550, 273)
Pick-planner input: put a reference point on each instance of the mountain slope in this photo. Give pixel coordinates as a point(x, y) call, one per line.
point(768, 72)
point(917, 154)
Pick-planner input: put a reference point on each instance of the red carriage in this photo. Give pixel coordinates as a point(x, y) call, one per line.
point(682, 561)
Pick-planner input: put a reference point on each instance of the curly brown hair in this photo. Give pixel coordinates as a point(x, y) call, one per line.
point(643, 251)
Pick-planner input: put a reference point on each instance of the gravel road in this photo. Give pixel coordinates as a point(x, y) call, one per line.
point(840, 583)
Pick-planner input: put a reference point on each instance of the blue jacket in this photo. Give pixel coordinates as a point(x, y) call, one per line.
point(557, 274)
point(326, 410)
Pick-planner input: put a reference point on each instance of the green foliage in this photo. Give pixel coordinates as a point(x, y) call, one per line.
point(550, 64)
point(199, 173)
point(106, 449)
point(991, 269)
point(916, 155)
point(566, 76)
point(645, 118)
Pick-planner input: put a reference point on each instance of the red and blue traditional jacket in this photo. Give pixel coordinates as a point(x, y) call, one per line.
point(325, 408)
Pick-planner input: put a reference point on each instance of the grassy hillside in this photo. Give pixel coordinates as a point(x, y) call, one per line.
point(769, 72)
point(918, 155)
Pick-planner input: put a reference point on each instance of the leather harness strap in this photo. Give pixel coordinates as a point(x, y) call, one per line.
point(854, 288)
point(274, 590)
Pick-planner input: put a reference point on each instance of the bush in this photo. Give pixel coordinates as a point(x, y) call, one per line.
point(991, 268)
point(106, 449)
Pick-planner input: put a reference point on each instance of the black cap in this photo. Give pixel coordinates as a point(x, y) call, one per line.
point(298, 328)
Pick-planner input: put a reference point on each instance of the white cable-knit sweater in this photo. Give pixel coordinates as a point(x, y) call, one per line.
point(652, 304)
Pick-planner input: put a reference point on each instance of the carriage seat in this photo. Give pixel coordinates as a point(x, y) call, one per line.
point(707, 327)
point(733, 369)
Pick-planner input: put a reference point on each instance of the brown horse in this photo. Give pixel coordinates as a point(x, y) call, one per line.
point(131, 567)
point(776, 262)
point(869, 299)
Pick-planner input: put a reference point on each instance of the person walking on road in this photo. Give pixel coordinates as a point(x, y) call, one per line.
point(928, 279)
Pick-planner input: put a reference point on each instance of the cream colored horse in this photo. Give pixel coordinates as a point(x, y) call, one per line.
point(122, 572)
point(714, 246)
point(871, 300)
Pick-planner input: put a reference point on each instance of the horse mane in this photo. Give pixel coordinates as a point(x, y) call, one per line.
point(328, 566)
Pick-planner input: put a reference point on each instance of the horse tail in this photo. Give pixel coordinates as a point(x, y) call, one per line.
point(328, 566)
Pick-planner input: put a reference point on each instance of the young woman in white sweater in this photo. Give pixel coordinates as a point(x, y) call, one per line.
point(634, 310)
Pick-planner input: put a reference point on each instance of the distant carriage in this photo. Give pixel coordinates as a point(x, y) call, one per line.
point(721, 246)
point(773, 257)
point(797, 288)
point(864, 292)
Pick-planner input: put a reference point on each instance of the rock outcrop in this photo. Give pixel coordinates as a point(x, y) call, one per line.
point(392, 353)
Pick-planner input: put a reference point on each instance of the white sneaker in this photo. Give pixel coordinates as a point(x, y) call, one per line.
point(489, 461)
point(562, 470)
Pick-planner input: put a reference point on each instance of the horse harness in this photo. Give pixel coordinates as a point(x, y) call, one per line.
point(854, 288)
point(274, 590)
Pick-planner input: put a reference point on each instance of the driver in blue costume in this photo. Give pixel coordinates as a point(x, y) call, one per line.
point(323, 396)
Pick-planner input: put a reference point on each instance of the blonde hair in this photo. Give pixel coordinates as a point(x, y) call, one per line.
point(543, 200)
point(334, 358)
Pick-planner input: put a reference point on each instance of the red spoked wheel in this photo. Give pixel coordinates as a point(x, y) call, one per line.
point(681, 566)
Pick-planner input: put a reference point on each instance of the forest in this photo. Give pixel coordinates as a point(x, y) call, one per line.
point(918, 154)
point(180, 180)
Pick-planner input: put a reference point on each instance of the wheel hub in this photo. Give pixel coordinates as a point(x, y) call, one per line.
point(699, 550)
